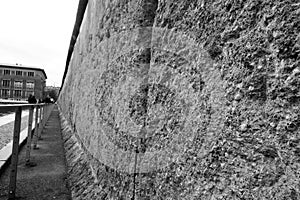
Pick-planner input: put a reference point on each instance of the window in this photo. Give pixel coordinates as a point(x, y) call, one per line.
point(18, 84)
point(18, 93)
point(30, 73)
point(19, 73)
point(5, 92)
point(13, 72)
point(6, 72)
point(6, 83)
point(29, 93)
point(25, 73)
point(30, 85)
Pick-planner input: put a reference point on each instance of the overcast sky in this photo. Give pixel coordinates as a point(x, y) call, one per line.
point(37, 33)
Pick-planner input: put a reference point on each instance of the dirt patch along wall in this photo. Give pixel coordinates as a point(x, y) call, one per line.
point(187, 99)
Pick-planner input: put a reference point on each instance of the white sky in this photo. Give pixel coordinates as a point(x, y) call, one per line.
point(37, 33)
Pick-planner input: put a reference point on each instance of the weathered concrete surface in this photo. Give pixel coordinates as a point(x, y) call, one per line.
point(186, 99)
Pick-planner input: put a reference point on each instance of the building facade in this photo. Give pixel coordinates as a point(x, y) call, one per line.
point(18, 82)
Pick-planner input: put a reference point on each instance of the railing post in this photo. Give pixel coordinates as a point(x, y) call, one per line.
point(40, 122)
point(45, 109)
point(15, 152)
point(29, 135)
point(36, 129)
point(48, 112)
point(50, 107)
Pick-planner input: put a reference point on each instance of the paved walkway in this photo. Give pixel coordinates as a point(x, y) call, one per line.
point(11, 117)
point(47, 180)
point(7, 126)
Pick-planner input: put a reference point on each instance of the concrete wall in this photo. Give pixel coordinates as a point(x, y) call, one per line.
point(184, 100)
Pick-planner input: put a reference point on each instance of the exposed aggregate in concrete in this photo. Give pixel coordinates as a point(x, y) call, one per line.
point(217, 108)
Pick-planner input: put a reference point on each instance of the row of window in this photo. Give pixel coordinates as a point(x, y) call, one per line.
point(17, 73)
point(16, 93)
point(18, 84)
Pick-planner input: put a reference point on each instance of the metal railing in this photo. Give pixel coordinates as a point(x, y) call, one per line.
point(42, 113)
